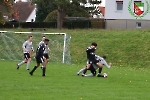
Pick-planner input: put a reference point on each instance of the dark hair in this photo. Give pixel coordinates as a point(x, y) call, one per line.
point(43, 36)
point(46, 40)
point(94, 44)
point(29, 36)
point(104, 57)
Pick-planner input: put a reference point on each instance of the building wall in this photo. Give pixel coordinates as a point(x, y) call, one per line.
point(32, 16)
point(127, 24)
point(122, 19)
point(111, 11)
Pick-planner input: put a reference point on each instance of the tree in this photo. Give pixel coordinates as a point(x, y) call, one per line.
point(44, 7)
point(65, 7)
point(7, 6)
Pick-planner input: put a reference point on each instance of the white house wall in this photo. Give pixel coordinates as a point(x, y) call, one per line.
point(32, 16)
point(111, 11)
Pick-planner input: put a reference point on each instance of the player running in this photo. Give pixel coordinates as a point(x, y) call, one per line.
point(27, 49)
point(94, 67)
point(47, 49)
point(40, 57)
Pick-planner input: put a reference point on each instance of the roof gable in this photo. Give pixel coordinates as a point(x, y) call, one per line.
point(24, 10)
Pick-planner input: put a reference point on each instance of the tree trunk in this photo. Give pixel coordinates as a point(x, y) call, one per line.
point(60, 17)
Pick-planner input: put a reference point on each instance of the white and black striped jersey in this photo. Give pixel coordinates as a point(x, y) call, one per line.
point(40, 51)
point(46, 47)
point(90, 53)
point(101, 60)
point(27, 47)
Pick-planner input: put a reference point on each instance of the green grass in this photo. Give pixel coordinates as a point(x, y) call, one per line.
point(128, 78)
point(61, 83)
point(122, 47)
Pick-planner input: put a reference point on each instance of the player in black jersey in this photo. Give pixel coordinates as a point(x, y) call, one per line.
point(40, 57)
point(91, 57)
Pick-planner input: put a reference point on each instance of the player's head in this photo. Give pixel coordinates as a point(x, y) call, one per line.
point(30, 38)
point(46, 41)
point(104, 57)
point(43, 38)
point(94, 45)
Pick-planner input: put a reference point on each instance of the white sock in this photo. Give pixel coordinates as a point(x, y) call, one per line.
point(28, 64)
point(89, 74)
point(21, 63)
point(80, 71)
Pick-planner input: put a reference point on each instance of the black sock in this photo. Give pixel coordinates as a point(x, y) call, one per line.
point(33, 69)
point(85, 70)
point(44, 70)
point(99, 75)
point(100, 70)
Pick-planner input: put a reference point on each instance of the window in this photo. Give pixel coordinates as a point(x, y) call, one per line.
point(119, 4)
point(138, 24)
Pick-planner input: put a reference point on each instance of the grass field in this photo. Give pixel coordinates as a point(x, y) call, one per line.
point(62, 83)
point(128, 78)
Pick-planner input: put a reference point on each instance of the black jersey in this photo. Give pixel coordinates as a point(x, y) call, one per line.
point(40, 50)
point(90, 53)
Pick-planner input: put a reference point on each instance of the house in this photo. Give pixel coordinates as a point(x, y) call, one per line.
point(127, 14)
point(26, 11)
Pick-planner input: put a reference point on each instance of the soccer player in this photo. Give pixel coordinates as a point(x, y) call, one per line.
point(47, 49)
point(91, 57)
point(40, 57)
point(27, 49)
point(94, 67)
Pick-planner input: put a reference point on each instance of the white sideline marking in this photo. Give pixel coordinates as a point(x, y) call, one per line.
point(3, 31)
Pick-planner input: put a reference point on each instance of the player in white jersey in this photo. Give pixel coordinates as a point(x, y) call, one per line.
point(47, 49)
point(27, 49)
point(94, 67)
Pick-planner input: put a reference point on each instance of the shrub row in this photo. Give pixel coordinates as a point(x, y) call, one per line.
point(70, 24)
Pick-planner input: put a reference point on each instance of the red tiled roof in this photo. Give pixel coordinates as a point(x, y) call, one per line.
point(24, 9)
point(102, 9)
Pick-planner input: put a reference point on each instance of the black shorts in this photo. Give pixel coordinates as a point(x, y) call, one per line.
point(40, 60)
point(92, 61)
point(46, 55)
point(92, 69)
point(27, 56)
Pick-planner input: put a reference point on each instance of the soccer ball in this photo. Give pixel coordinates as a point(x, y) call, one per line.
point(105, 75)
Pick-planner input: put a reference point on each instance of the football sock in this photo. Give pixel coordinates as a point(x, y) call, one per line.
point(80, 71)
point(100, 70)
point(89, 74)
point(28, 64)
point(21, 63)
point(33, 69)
point(44, 70)
point(85, 70)
point(99, 75)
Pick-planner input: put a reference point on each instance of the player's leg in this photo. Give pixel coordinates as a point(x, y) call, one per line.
point(28, 61)
point(80, 71)
point(87, 67)
point(44, 68)
point(93, 71)
point(46, 59)
point(34, 68)
point(38, 61)
point(22, 62)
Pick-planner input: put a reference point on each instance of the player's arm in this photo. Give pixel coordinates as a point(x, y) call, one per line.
point(105, 63)
point(32, 48)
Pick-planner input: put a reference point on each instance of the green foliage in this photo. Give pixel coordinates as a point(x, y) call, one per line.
point(52, 16)
point(61, 83)
point(6, 7)
point(44, 7)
